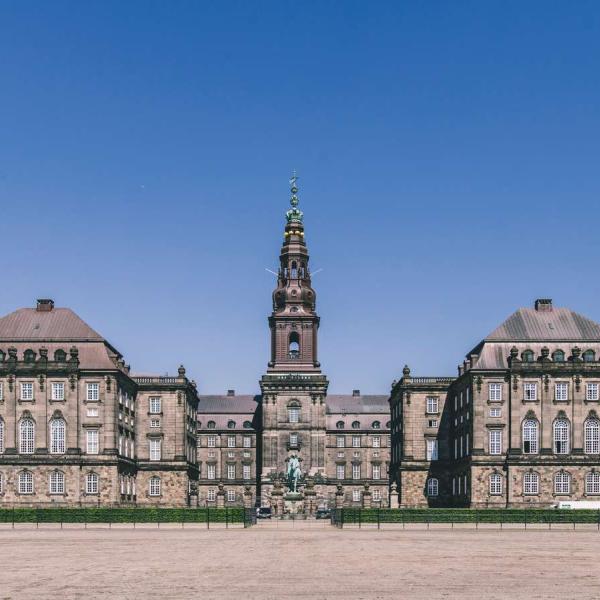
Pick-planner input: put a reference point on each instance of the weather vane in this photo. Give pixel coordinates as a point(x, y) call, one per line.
point(294, 189)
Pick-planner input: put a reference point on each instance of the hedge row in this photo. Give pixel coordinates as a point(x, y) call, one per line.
point(465, 515)
point(121, 515)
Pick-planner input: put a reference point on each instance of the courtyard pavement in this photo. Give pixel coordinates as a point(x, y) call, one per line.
point(300, 560)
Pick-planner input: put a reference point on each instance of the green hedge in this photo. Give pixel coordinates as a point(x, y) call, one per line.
point(121, 515)
point(465, 515)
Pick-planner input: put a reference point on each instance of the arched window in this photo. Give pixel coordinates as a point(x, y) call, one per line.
point(530, 436)
point(154, 486)
point(247, 425)
point(210, 425)
point(527, 356)
point(561, 436)
point(25, 482)
point(376, 425)
point(592, 436)
point(495, 484)
point(57, 482)
point(558, 356)
point(592, 483)
point(339, 425)
point(294, 347)
point(26, 436)
point(432, 487)
point(355, 425)
point(589, 356)
point(60, 356)
point(230, 424)
point(91, 483)
point(531, 483)
point(388, 424)
point(1, 436)
point(29, 356)
point(57, 436)
point(562, 483)
point(294, 273)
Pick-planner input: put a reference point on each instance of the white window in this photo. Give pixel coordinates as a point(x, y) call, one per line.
point(211, 441)
point(495, 412)
point(230, 471)
point(27, 391)
point(155, 405)
point(432, 487)
point(561, 391)
point(58, 391)
point(531, 483)
point(495, 441)
point(211, 472)
point(530, 391)
point(495, 484)
point(155, 448)
point(26, 436)
point(561, 436)
point(432, 423)
point(92, 441)
point(1, 436)
point(211, 495)
point(92, 411)
point(340, 471)
point(376, 471)
point(592, 483)
point(591, 393)
point(154, 423)
point(377, 495)
point(355, 495)
point(294, 414)
point(230, 495)
point(57, 482)
point(356, 441)
point(93, 392)
point(247, 441)
point(57, 436)
point(432, 404)
point(432, 449)
point(25, 482)
point(293, 439)
point(231, 441)
point(231, 455)
point(495, 392)
point(355, 471)
point(376, 441)
point(246, 471)
point(530, 436)
point(562, 483)
point(154, 487)
point(341, 441)
point(592, 436)
point(91, 483)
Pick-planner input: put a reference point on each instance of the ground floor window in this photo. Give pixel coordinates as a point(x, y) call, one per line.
point(495, 484)
point(432, 487)
point(211, 495)
point(562, 483)
point(230, 495)
point(57, 482)
point(355, 495)
point(154, 486)
point(531, 483)
point(25, 482)
point(592, 483)
point(377, 495)
point(91, 483)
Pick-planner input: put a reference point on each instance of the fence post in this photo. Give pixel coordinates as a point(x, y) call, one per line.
point(226, 518)
point(85, 518)
point(476, 520)
point(378, 518)
point(207, 517)
point(109, 513)
point(359, 518)
point(342, 519)
point(402, 514)
point(134, 511)
point(525, 519)
point(13, 517)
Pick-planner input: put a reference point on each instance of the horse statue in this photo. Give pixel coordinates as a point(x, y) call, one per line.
point(293, 473)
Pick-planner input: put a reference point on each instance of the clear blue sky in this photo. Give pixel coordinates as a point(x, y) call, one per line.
point(448, 154)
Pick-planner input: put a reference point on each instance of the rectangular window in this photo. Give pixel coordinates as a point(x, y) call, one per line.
point(155, 405)
point(92, 441)
point(530, 391)
point(495, 412)
point(495, 441)
point(561, 391)
point(432, 423)
point(356, 441)
point(155, 448)
point(230, 471)
point(531, 484)
point(211, 441)
point(246, 471)
point(27, 391)
point(154, 423)
point(231, 441)
point(355, 495)
point(355, 471)
point(432, 449)
point(293, 439)
point(376, 472)
point(92, 411)
point(495, 392)
point(376, 441)
point(230, 495)
point(294, 414)
point(247, 441)
point(211, 495)
point(154, 488)
point(340, 471)
point(93, 392)
point(211, 472)
point(58, 391)
point(591, 393)
point(377, 495)
point(432, 404)
point(57, 483)
point(341, 441)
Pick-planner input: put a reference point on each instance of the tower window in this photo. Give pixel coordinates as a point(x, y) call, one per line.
point(294, 348)
point(294, 271)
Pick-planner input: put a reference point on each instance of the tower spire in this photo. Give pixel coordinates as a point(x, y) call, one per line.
point(294, 214)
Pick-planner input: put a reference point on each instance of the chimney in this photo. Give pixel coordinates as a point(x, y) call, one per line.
point(44, 305)
point(543, 304)
point(356, 392)
point(231, 392)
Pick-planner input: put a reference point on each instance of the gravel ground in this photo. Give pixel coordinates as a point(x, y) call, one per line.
point(300, 561)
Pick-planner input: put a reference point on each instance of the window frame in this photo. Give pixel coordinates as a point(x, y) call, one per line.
point(154, 486)
point(531, 483)
point(25, 483)
point(496, 484)
point(56, 483)
point(495, 445)
point(494, 391)
point(92, 484)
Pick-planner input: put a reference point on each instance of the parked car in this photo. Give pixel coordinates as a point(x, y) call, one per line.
point(323, 513)
point(263, 512)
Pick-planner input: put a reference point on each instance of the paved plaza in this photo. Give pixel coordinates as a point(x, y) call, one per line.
point(297, 560)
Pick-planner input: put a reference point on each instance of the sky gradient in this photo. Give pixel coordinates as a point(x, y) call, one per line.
point(448, 156)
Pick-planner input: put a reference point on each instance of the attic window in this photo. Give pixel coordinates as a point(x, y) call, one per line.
point(29, 356)
point(247, 425)
point(339, 425)
point(589, 356)
point(527, 356)
point(376, 425)
point(210, 425)
point(355, 425)
point(558, 356)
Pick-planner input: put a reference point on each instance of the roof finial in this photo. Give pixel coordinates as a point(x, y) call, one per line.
point(294, 214)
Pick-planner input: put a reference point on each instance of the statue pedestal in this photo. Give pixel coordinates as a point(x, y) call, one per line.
point(293, 503)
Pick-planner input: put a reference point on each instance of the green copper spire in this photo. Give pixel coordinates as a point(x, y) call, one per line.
point(294, 214)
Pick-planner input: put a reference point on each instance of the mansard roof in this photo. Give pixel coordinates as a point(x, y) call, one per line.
point(228, 404)
point(352, 404)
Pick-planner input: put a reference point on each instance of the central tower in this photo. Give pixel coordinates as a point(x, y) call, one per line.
point(293, 389)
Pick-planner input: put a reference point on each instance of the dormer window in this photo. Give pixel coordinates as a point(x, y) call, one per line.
point(355, 425)
point(29, 356)
point(230, 424)
point(527, 356)
point(558, 356)
point(339, 425)
point(60, 356)
point(210, 425)
point(376, 425)
point(589, 356)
